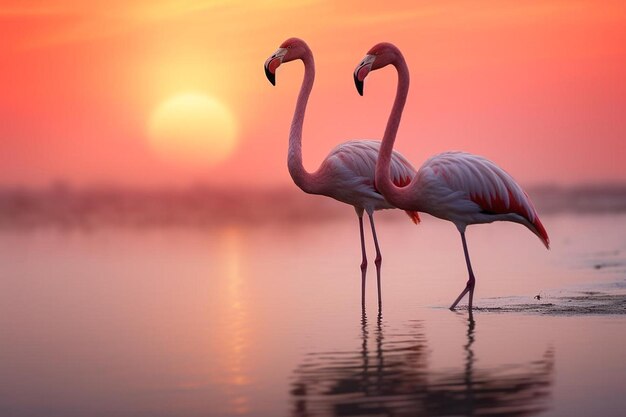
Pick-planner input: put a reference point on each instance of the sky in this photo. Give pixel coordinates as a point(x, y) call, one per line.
point(539, 87)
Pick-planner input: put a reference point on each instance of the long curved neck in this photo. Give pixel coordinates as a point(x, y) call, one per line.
point(302, 178)
point(392, 193)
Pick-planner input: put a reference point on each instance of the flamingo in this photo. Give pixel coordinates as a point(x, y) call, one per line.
point(347, 173)
point(456, 186)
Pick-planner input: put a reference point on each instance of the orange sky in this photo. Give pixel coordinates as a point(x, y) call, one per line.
point(537, 86)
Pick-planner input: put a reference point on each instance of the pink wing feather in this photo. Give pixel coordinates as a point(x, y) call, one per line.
point(487, 185)
point(361, 156)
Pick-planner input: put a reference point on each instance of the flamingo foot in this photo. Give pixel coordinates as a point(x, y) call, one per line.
point(378, 262)
point(471, 282)
point(363, 274)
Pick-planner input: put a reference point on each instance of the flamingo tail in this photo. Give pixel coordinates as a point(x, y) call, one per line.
point(414, 215)
point(540, 231)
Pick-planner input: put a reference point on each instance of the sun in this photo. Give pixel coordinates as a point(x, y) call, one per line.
point(193, 128)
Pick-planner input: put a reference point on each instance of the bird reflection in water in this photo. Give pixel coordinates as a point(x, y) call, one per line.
point(393, 379)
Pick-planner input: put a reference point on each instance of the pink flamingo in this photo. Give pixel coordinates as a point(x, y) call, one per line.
point(456, 186)
point(347, 173)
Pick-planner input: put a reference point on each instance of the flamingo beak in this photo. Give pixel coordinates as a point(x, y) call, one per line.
point(272, 63)
point(358, 84)
point(270, 76)
point(361, 72)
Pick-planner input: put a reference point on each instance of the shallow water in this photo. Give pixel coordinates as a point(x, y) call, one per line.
point(267, 321)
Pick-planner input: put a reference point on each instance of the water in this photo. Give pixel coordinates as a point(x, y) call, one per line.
point(266, 320)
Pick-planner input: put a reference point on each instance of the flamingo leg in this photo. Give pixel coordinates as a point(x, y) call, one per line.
point(471, 282)
point(364, 259)
point(378, 261)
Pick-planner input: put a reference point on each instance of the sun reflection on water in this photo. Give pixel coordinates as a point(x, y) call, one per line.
point(235, 325)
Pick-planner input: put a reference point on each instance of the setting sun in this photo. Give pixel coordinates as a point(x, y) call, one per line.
point(192, 128)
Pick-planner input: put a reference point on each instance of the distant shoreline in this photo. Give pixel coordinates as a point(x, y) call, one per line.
point(203, 206)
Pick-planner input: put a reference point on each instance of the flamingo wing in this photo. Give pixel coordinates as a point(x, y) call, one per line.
point(359, 156)
point(487, 185)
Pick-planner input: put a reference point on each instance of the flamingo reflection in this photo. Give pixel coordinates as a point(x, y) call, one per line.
point(393, 379)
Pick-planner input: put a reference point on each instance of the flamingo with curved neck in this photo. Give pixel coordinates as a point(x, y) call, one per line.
point(347, 173)
point(456, 186)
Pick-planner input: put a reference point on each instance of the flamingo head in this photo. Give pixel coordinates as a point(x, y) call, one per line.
point(291, 49)
point(379, 56)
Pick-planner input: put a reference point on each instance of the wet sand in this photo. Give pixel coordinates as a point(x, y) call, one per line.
point(576, 304)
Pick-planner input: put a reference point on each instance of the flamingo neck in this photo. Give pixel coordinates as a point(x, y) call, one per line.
point(395, 195)
point(302, 178)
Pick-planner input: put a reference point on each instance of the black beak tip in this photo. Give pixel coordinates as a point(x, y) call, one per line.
point(359, 85)
point(270, 76)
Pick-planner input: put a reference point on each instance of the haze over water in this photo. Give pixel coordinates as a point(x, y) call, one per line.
point(264, 319)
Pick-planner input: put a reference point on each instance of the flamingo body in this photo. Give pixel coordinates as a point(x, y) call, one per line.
point(347, 174)
point(470, 189)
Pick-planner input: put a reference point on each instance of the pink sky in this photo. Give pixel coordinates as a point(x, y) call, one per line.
point(537, 86)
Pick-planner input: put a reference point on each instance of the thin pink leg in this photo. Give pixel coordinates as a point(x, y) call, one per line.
point(363, 261)
point(471, 282)
point(378, 261)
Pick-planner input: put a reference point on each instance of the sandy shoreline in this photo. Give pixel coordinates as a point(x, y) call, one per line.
point(583, 303)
